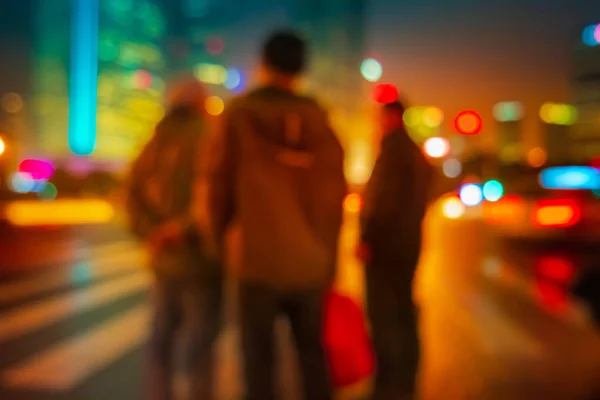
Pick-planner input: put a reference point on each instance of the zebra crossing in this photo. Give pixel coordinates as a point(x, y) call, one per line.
point(82, 313)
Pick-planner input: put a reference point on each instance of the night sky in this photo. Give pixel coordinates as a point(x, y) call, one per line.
point(454, 54)
point(458, 54)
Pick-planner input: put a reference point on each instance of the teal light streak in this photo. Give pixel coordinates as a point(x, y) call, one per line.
point(83, 76)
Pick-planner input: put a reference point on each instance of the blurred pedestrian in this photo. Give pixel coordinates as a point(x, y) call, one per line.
point(278, 171)
point(188, 282)
point(395, 202)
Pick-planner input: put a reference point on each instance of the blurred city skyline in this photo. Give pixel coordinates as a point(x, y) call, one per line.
point(457, 55)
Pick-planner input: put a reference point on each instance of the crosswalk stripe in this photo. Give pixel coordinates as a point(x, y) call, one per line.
point(64, 366)
point(26, 319)
point(107, 248)
point(98, 268)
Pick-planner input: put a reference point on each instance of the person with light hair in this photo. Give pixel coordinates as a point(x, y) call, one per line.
point(162, 205)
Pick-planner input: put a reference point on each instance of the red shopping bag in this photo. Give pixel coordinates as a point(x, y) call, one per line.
point(347, 343)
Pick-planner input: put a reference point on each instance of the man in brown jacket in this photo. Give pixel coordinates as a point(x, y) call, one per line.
point(278, 171)
point(395, 201)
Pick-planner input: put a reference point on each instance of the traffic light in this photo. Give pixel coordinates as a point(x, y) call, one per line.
point(468, 123)
point(385, 93)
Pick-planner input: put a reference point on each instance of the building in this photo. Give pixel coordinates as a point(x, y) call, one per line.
point(585, 134)
point(99, 81)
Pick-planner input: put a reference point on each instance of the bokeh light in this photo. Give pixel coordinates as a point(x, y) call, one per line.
point(48, 193)
point(452, 168)
point(468, 123)
point(37, 169)
point(371, 70)
point(508, 111)
point(493, 190)
point(471, 194)
point(353, 203)
point(413, 116)
point(215, 45)
point(211, 73)
point(12, 103)
point(432, 117)
point(591, 35)
point(2, 146)
point(142, 80)
point(453, 208)
point(537, 157)
point(558, 114)
point(570, 178)
point(436, 147)
point(21, 182)
point(234, 79)
point(214, 105)
point(385, 93)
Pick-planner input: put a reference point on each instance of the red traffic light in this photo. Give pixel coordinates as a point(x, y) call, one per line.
point(385, 93)
point(468, 123)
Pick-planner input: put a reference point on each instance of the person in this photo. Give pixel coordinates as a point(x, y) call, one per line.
point(278, 172)
point(394, 205)
point(188, 282)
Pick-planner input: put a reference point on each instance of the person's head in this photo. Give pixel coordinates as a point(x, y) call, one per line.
point(283, 58)
point(391, 117)
point(186, 92)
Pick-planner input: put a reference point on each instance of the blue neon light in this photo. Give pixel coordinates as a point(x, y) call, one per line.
point(570, 178)
point(83, 77)
point(589, 36)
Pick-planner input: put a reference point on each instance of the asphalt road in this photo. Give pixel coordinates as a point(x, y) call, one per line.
point(495, 320)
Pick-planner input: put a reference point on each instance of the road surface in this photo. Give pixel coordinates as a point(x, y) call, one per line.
point(74, 312)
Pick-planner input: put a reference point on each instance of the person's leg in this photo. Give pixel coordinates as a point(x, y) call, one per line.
point(258, 309)
point(382, 308)
point(203, 308)
point(408, 339)
point(305, 312)
point(167, 319)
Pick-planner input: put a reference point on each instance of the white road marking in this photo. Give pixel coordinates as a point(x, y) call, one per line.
point(66, 365)
point(97, 268)
point(27, 319)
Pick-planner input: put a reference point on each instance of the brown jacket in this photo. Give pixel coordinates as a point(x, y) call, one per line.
point(161, 187)
point(278, 172)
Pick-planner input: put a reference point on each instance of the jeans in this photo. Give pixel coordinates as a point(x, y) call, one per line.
point(394, 325)
point(192, 308)
point(259, 309)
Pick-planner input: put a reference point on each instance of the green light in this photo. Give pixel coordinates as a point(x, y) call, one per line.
point(371, 70)
point(48, 193)
point(508, 111)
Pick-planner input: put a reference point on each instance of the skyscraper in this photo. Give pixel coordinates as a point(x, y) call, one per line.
point(585, 134)
point(99, 79)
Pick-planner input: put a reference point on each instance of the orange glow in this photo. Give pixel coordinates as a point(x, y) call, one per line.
point(558, 214)
point(453, 208)
point(353, 203)
point(509, 209)
point(214, 105)
point(537, 157)
point(59, 212)
point(2, 146)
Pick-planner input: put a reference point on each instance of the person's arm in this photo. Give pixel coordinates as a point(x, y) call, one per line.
point(385, 193)
point(221, 179)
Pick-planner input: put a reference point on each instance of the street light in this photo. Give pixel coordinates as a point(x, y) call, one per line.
point(436, 147)
point(468, 123)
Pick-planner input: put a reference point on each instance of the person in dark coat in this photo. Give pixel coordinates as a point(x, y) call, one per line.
point(395, 202)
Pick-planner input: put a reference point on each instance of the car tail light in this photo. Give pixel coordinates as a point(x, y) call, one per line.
point(557, 213)
point(555, 268)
